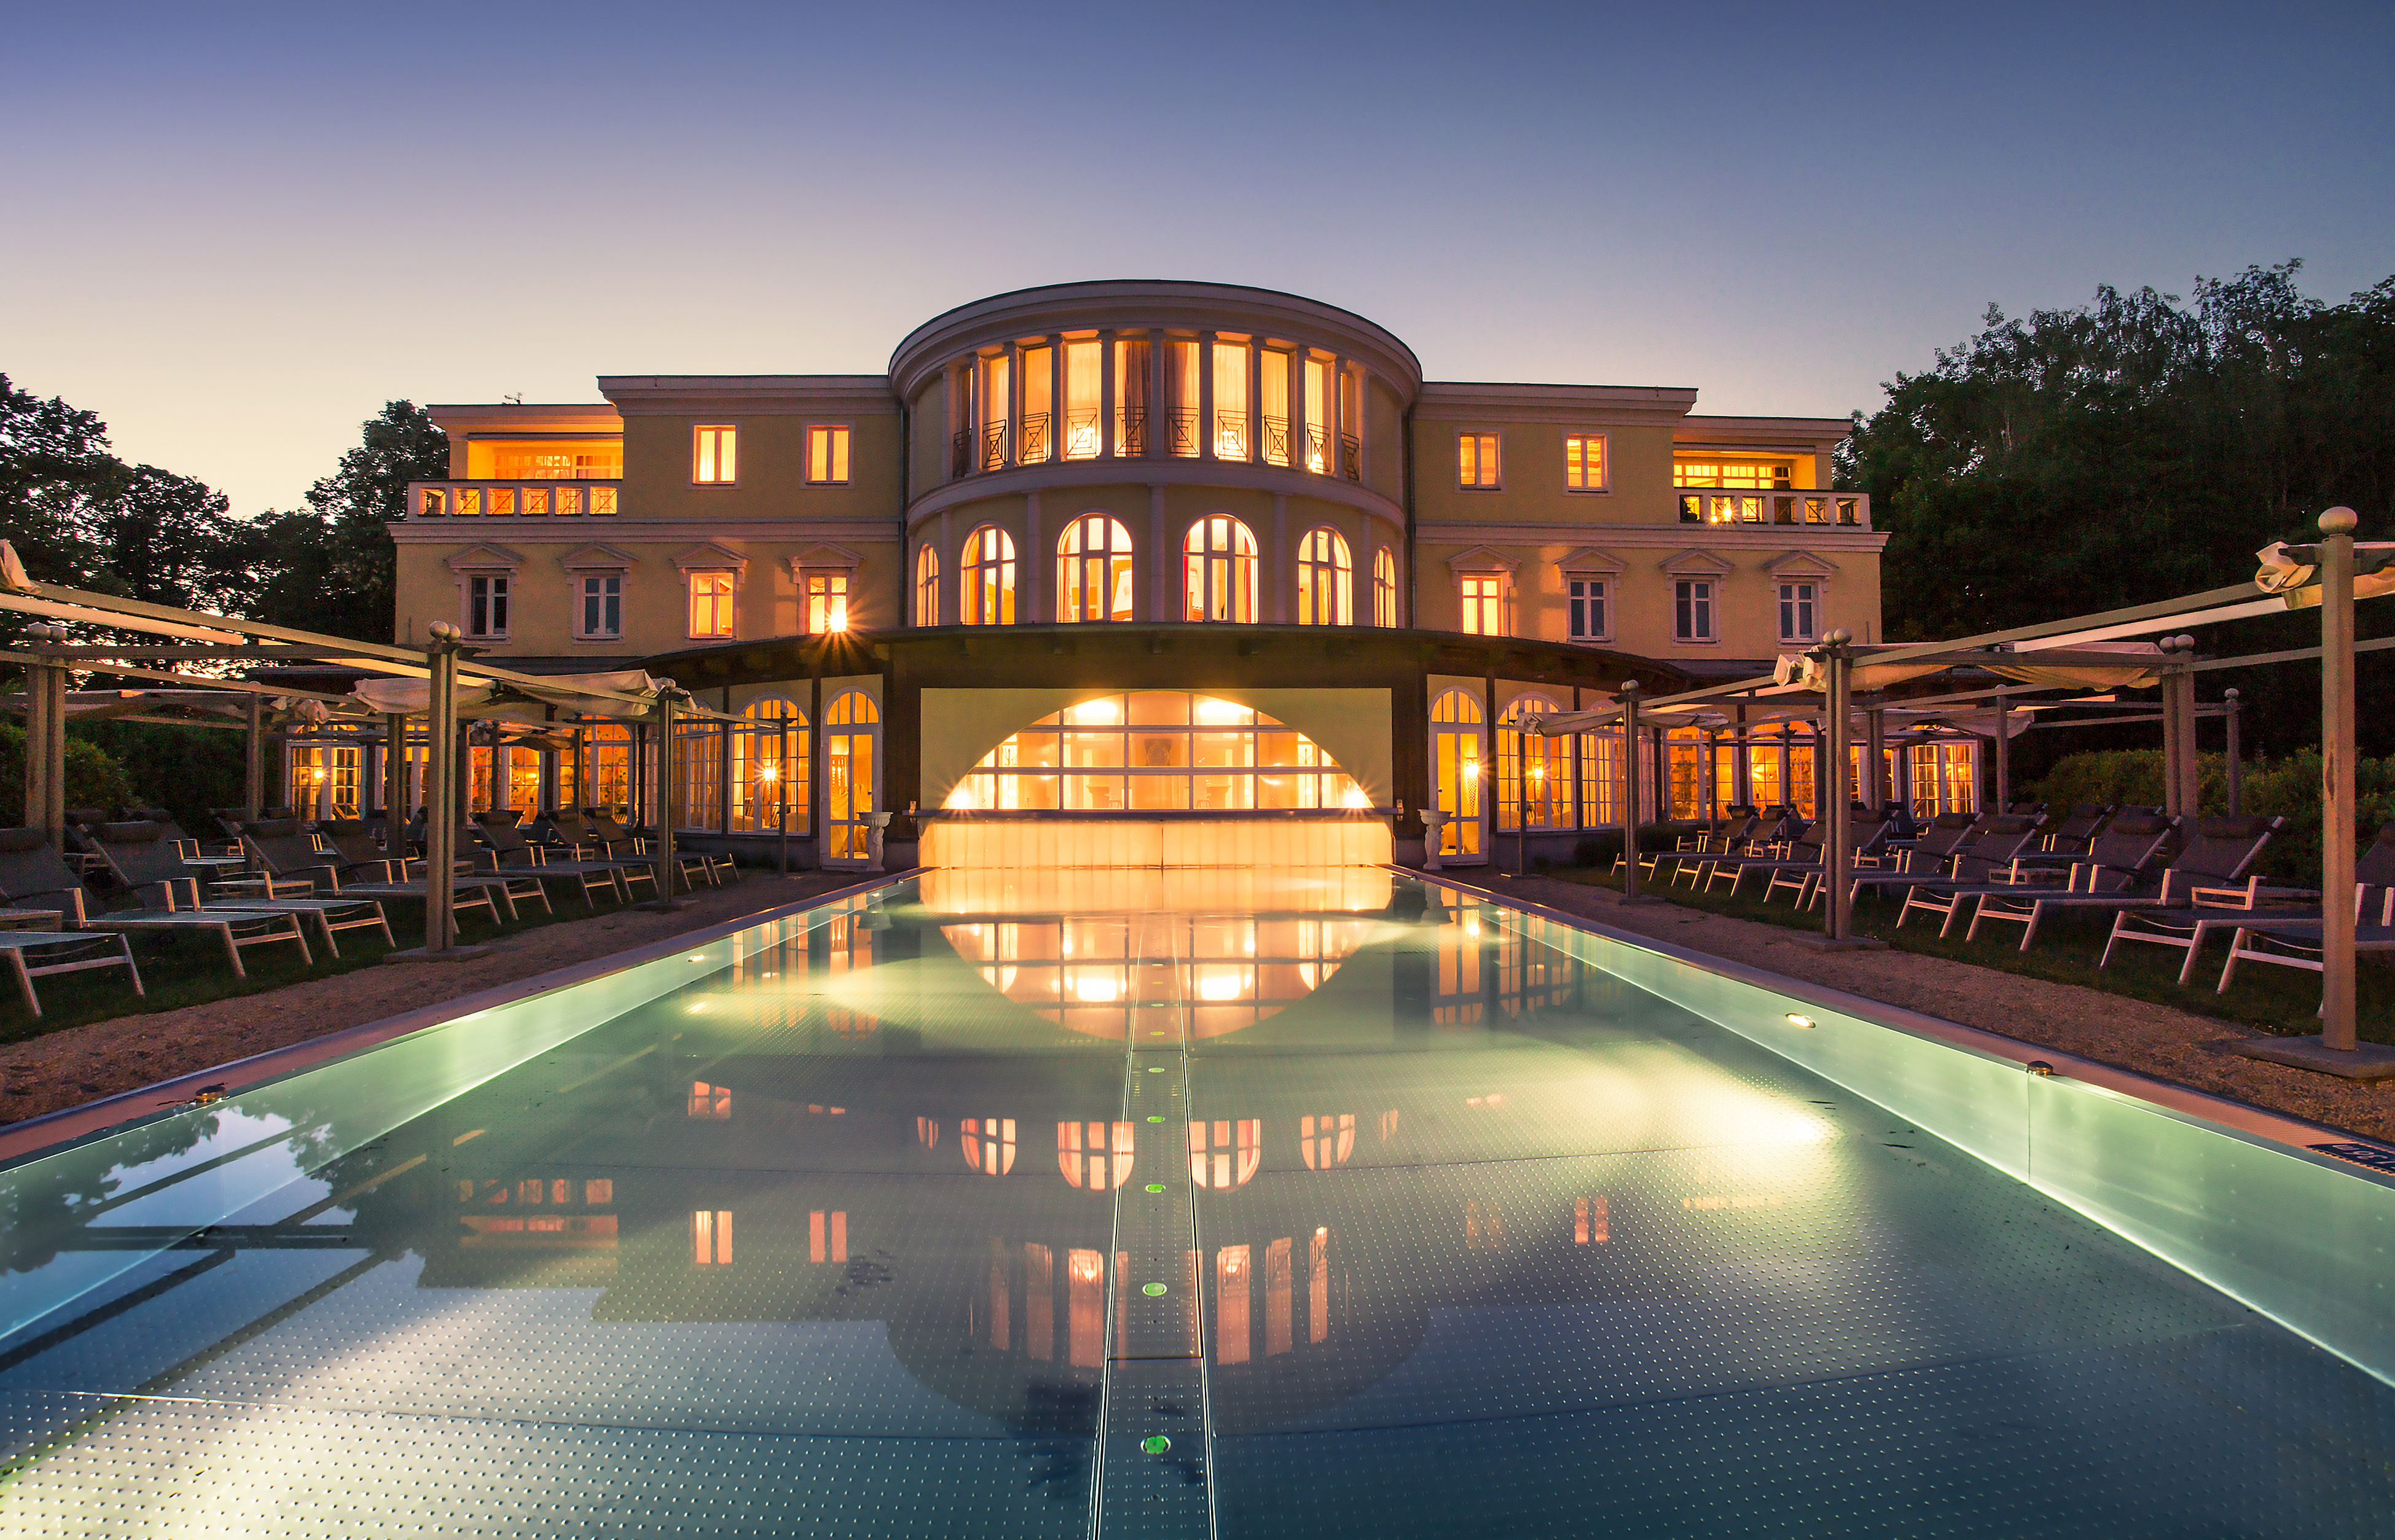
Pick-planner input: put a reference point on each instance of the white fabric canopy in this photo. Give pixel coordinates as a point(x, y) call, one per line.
point(585, 695)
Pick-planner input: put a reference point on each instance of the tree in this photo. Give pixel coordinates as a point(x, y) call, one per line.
point(2133, 449)
point(336, 563)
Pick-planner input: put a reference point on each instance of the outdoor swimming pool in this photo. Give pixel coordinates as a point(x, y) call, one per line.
point(1188, 1203)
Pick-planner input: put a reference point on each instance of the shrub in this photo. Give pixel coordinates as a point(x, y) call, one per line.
point(93, 778)
point(2288, 788)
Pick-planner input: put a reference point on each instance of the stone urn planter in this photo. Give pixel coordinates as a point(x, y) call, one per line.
point(876, 825)
point(1434, 835)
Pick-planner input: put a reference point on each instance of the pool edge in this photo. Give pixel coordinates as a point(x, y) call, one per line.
point(52, 1132)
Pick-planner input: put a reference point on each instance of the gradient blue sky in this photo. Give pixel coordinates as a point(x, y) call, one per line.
point(235, 230)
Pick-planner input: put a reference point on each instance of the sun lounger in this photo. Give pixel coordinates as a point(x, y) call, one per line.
point(144, 859)
point(2296, 945)
point(2205, 915)
point(30, 867)
point(349, 864)
point(525, 867)
point(2216, 859)
point(1992, 849)
point(2082, 823)
point(1866, 827)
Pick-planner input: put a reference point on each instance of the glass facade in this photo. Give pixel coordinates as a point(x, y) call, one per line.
point(1156, 751)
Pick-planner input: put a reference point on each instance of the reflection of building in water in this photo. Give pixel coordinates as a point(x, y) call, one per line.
point(1093, 975)
point(1481, 966)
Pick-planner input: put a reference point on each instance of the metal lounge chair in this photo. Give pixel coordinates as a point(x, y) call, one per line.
point(2082, 823)
point(40, 868)
point(610, 834)
point(26, 860)
point(2132, 846)
point(1867, 828)
point(525, 867)
point(352, 865)
point(1933, 843)
point(2298, 943)
point(226, 856)
point(2208, 912)
point(1733, 833)
point(2218, 858)
point(140, 856)
point(1993, 848)
point(1804, 851)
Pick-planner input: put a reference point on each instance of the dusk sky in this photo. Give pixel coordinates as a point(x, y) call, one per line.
point(235, 232)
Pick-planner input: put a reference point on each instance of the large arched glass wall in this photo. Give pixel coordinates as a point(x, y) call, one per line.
point(1162, 750)
point(1223, 396)
point(1093, 570)
point(985, 578)
point(1218, 570)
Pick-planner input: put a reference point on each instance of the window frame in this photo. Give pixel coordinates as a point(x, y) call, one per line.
point(927, 584)
point(1339, 562)
point(1604, 463)
point(1788, 604)
point(698, 429)
point(808, 578)
point(971, 564)
point(1603, 598)
point(729, 600)
point(1114, 561)
point(1467, 604)
point(582, 599)
point(846, 457)
point(504, 595)
point(1239, 568)
point(1385, 602)
point(1496, 442)
point(1710, 601)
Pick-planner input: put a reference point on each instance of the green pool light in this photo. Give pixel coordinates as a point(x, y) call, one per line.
point(1156, 1443)
point(1156, 1069)
point(1152, 1290)
point(1156, 1187)
point(1155, 1117)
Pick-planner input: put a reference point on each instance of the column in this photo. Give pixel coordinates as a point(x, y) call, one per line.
point(2337, 779)
point(1105, 393)
point(1284, 570)
point(1039, 565)
point(1164, 601)
point(1205, 395)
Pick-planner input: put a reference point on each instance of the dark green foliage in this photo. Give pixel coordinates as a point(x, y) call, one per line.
point(2134, 449)
point(93, 780)
point(2285, 788)
point(184, 770)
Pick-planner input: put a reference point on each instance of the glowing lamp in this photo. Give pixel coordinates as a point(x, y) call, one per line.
point(1796, 1020)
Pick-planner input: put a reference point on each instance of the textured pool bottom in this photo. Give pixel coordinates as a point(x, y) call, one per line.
point(1502, 1245)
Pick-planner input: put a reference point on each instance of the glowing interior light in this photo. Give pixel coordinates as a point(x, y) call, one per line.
point(1796, 1020)
point(768, 772)
point(1221, 983)
point(1214, 712)
point(1095, 712)
point(961, 799)
point(1355, 798)
point(1095, 987)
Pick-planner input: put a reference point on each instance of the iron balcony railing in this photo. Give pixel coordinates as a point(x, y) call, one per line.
point(1183, 428)
point(1351, 457)
point(1741, 505)
point(1277, 441)
point(557, 499)
point(1130, 432)
point(1031, 439)
point(993, 444)
point(1001, 443)
point(1230, 435)
point(1081, 434)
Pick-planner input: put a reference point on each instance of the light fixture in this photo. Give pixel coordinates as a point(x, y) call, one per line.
point(1796, 1020)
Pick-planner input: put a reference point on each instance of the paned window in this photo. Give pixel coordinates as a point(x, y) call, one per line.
point(826, 603)
point(715, 455)
point(1589, 618)
point(486, 606)
point(710, 604)
point(601, 616)
point(1231, 401)
point(1796, 609)
point(1326, 579)
point(1038, 431)
point(1475, 460)
point(1157, 750)
point(986, 587)
point(1753, 475)
point(1533, 770)
point(827, 454)
point(1082, 360)
point(1584, 462)
point(769, 768)
point(1384, 587)
point(1692, 610)
point(711, 1237)
point(1093, 570)
point(1219, 570)
point(927, 587)
point(1484, 606)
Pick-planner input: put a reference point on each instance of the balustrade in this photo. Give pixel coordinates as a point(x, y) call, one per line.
point(1851, 509)
point(546, 499)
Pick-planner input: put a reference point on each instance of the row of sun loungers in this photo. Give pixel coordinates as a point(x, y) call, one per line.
point(278, 883)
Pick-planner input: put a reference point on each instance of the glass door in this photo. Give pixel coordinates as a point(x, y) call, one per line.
point(1458, 742)
point(852, 730)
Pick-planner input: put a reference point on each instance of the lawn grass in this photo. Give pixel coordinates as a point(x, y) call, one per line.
point(2276, 1000)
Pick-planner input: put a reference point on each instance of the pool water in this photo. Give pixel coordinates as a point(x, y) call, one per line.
point(1162, 1202)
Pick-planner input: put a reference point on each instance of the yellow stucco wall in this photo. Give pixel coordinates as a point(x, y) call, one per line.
point(772, 466)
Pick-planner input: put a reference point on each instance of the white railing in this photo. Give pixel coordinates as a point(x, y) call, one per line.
point(557, 499)
point(1754, 506)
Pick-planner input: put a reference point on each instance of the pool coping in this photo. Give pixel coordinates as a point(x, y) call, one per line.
point(2298, 1136)
point(52, 1132)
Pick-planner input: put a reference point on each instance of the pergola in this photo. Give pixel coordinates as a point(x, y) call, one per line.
point(442, 683)
point(1832, 682)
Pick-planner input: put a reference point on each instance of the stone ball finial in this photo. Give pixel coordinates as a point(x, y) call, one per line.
point(2339, 520)
point(443, 630)
point(1839, 637)
point(1629, 687)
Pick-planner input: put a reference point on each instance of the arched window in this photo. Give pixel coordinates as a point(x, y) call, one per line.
point(1384, 587)
point(987, 1144)
point(1533, 772)
point(1236, 1151)
point(927, 587)
point(1093, 570)
point(1083, 1151)
point(1326, 579)
point(986, 585)
point(851, 739)
point(1456, 743)
point(769, 768)
point(1218, 570)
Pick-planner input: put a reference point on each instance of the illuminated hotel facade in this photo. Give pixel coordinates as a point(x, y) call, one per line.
point(1176, 567)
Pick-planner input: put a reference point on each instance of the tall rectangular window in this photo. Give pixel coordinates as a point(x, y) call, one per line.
point(1273, 433)
point(1796, 612)
point(710, 604)
point(715, 455)
point(1692, 610)
point(1475, 460)
point(1484, 606)
point(1317, 416)
point(1081, 383)
point(1230, 400)
point(1038, 431)
point(486, 606)
point(1589, 620)
point(1183, 431)
point(828, 453)
point(826, 603)
point(1584, 462)
point(602, 608)
point(1131, 426)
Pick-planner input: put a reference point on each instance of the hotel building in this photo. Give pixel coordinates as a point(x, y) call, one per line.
point(1182, 565)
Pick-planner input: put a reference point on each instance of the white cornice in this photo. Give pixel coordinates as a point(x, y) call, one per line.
point(679, 395)
point(1762, 537)
point(1464, 401)
point(559, 531)
point(1142, 303)
point(1075, 475)
point(508, 418)
point(1753, 435)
